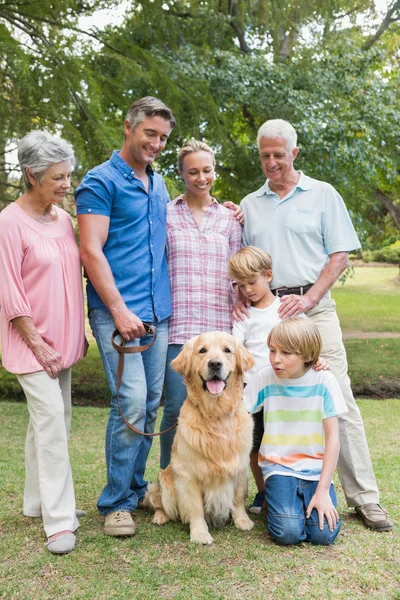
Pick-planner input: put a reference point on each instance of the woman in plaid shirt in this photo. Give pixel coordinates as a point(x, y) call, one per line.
point(201, 237)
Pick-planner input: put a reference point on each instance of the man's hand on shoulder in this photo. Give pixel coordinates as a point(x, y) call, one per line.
point(128, 324)
point(238, 213)
point(293, 304)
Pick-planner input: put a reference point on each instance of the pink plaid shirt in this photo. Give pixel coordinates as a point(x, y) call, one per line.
point(197, 257)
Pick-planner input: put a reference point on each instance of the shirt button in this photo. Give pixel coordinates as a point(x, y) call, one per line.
point(151, 222)
point(153, 270)
point(125, 175)
point(89, 210)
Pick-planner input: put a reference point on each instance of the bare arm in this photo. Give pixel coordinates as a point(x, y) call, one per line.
point(49, 358)
point(93, 231)
point(321, 500)
point(293, 304)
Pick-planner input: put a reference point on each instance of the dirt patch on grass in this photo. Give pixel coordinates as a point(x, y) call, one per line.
point(386, 387)
point(349, 334)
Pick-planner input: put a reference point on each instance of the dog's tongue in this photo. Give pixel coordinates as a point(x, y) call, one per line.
point(215, 386)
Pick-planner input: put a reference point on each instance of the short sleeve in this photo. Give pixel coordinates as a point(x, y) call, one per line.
point(93, 195)
point(334, 403)
point(239, 330)
point(13, 300)
point(338, 231)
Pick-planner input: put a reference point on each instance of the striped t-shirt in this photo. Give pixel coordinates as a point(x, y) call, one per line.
point(294, 411)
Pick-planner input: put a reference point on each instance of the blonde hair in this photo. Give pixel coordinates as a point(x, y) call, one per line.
point(297, 336)
point(193, 146)
point(247, 262)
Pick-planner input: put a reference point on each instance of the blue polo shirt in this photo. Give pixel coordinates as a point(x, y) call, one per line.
point(135, 247)
point(299, 231)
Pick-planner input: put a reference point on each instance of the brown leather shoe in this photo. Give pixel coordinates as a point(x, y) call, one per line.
point(119, 523)
point(374, 516)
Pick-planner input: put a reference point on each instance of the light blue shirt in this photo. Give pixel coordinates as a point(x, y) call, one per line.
point(135, 246)
point(300, 231)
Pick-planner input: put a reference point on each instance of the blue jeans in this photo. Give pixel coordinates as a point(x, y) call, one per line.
point(139, 394)
point(175, 395)
point(287, 499)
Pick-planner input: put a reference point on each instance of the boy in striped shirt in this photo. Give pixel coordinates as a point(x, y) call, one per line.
point(300, 445)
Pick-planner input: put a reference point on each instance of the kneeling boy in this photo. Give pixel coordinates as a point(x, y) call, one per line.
point(300, 446)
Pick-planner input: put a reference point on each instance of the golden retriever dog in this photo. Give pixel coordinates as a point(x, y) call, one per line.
point(206, 480)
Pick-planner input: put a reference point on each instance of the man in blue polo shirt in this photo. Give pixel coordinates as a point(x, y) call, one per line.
point(304, 225)
point(121, 206)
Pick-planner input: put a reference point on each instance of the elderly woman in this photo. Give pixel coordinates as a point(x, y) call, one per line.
point(42, 326)
point(201, 237)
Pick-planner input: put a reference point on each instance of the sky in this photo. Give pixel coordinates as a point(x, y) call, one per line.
point(115, 16)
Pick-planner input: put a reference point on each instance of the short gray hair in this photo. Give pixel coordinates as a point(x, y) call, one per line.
point(278, 128)
point(149, 107)
point(39, 150)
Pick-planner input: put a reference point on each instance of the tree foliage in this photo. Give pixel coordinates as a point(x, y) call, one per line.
point(224, 66)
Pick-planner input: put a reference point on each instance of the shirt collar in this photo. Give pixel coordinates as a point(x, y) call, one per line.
point(123, 167)
point(181, 200)
point(304, 183)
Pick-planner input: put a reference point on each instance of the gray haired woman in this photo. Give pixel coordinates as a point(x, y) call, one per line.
point(42, 326)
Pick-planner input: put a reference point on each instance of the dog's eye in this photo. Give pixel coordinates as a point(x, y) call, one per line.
point(227, 350)
point(202, 351)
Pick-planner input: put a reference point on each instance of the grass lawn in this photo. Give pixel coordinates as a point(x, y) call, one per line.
point(162, 563)
point(373, 360)
point(370, 301)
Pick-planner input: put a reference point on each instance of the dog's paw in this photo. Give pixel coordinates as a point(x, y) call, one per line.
point(160, 518)
point(201, 537)
point(244, 523)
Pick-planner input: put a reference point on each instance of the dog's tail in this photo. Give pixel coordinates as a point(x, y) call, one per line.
point(168, 493)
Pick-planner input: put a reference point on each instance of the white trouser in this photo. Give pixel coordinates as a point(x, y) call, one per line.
point(354, 466)
point(49, 489)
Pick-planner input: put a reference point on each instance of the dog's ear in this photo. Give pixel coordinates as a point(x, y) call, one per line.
point(181, 364)
point(244, 359)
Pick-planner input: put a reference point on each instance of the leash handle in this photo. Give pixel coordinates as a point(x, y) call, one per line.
point(122, 349)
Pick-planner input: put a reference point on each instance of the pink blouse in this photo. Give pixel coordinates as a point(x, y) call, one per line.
point(41, 278)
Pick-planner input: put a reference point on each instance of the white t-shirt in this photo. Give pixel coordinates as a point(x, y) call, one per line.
point(254, 331)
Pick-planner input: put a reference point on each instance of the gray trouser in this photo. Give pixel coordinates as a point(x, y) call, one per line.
point(354, 466)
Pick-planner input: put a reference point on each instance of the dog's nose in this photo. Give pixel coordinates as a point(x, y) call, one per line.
point(215, 364)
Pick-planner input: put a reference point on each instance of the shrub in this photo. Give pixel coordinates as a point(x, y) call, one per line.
point(388, 254)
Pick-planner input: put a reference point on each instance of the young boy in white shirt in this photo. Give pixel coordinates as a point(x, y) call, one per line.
point(300, 445)
point(251, 269)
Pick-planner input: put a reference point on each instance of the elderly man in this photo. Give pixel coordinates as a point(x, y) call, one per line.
point(304, 225)
point(121, 207)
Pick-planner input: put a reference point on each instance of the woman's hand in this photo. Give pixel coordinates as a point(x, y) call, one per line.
point(85, 346)
point(238, 214)
point(322, 503)
point(49, 358)
point(239, 311)
point(321, 365)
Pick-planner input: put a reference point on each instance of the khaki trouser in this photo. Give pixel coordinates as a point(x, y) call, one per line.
point(354, 466)
point(49, 489)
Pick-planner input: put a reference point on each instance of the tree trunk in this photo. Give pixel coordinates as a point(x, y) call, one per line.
point(389, 207)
